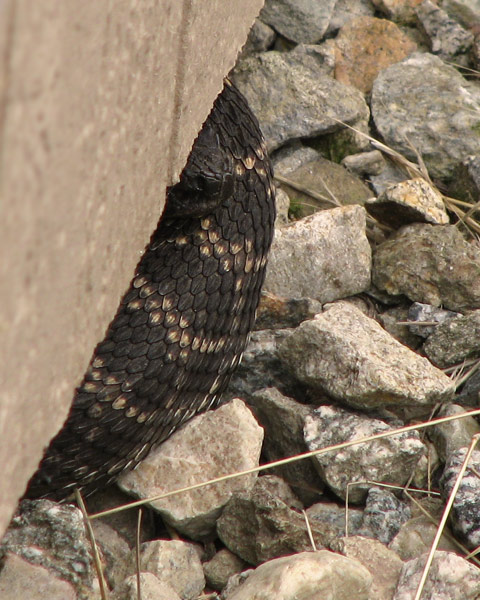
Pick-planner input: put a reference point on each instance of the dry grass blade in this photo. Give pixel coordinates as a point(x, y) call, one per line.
point(420, 323)
point(462, 375)
point(286, 461)
point(309, 531)
point(444, 518)
point(472, 555)
point(137, 554)
point(91, 535)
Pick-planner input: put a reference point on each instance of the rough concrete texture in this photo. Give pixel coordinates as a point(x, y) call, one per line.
point(99, 107)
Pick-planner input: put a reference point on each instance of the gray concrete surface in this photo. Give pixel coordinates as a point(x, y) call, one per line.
point(99, 105)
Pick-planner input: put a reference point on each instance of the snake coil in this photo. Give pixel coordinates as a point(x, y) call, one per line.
point(182, 326)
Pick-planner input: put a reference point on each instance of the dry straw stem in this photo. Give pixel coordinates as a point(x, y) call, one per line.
point(309, 531)
point(96, 555)
point(460, 374)
point(289, 460)
point(137, 553)
point(444, 518)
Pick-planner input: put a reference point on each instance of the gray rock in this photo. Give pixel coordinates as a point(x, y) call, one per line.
point(261, 525)
point(353, 359)
point(383, 516)
point(283, 419)
point(302, 21)
point(383, 564)
point(275, 312)
point(331, 518)
point(115, 551)
point(465, 513)
point(399, 12)
point(53, 536)
point(449, 40)
point(415, 538)
point(282, 204)
point(469, 394)
point(365, 163)
point(425, 313)
point(388, 460)
point(389, 176)
point(309, 576)
point(455, 340)
point(450, 578)
point(125, 522)
point(325, 256)
point(321, 57)
point(151, 589)
point(300, 99)
point(260, 38)
point(221, 567)
point(412, 106)
point(174, 563)
point(426, 466)
point(291, 157)
point(20, 580)
point(210, 445)
point(393, 319)
point(476, 52)
point(234, 582)
point(346, 10)
point(430, 264)
point(465, 12)
point(410, 201)
point(465, 184)
point(260, 367)
point(331, 184)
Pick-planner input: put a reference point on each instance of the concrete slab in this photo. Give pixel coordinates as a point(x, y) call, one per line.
point(99, 106)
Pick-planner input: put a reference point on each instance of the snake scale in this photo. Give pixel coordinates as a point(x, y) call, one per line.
point(182, 326)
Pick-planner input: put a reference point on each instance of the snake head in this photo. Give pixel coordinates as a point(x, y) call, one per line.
point(206, 181)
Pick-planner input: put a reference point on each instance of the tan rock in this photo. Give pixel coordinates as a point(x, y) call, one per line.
point(383, 564)
point(211, 445)
point(415, 538)
point(410, 201)
point(20, 580)
point(367, 45)
point(308, 575)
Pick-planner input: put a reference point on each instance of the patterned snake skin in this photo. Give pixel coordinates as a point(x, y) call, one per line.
point(181, 328)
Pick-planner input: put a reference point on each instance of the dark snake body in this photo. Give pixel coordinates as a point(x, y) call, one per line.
point(181, 328)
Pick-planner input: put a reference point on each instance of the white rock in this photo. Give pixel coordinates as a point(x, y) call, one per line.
point(325, 256)
point(151, 588)
point(176, 564)
point(213, 444)
point(352, 358)
point(319, 575)
point(450, 577)
point(387, 460)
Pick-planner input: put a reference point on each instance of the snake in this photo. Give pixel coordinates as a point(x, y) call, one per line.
point(182, 326)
